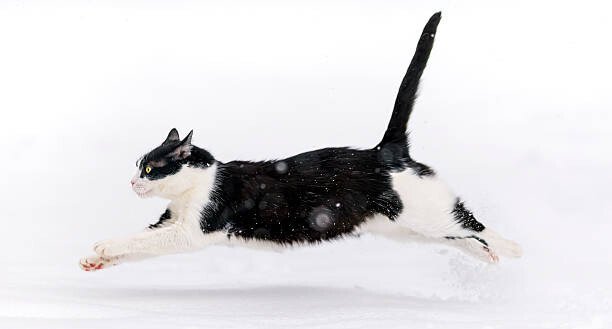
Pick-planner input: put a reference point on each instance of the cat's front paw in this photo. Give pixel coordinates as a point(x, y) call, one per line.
point(110, 248)
point(94, 263)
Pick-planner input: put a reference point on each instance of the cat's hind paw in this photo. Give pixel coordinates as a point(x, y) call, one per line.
point(493, 258)
point(95, 263)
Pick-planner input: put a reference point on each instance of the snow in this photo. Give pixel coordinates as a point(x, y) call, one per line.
point(514, 113)
point(346, 285)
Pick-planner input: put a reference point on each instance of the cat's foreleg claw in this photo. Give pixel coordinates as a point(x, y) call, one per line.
point(95, 263)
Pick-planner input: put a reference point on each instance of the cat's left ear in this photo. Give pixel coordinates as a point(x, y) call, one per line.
point(173, 136)
point(183, 150)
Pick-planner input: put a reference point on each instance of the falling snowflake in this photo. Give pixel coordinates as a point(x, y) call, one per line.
point(321, 218)
point(281, 167)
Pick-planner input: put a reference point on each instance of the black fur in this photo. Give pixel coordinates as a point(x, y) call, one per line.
point(165, 160)
point(482, 241)
point(394, 147)
point(312, 196)
point(162, 219)
point(305, 198)
point(466, 218)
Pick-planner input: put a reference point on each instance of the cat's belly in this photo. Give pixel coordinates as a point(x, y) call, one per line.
point(376, 224)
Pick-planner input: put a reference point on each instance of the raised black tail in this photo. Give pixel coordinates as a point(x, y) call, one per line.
point(396, 130)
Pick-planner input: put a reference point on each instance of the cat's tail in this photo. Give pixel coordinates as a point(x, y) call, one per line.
point(396, 130)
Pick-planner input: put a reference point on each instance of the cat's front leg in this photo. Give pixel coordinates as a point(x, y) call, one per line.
point(156, 242)
point(136, 247)
point(165, 240)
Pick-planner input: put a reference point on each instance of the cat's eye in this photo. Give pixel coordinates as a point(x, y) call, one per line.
point(148, 169)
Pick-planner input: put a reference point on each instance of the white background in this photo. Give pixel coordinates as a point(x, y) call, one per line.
point(514, 113)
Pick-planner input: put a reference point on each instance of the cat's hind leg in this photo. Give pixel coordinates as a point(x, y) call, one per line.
point(500, 245)
point(433, 211)
point(480, 241)
point(471, 245)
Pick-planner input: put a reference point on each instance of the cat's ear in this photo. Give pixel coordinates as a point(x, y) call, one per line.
point(183, 150)
point(187, 139)
point(173, 136)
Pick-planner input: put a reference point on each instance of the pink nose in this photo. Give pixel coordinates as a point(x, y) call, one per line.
point(133, 181)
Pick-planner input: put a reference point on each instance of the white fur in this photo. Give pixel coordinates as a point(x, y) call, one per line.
point(189, 191)
point(428, 204)
point(427, 217)
point(178, 187)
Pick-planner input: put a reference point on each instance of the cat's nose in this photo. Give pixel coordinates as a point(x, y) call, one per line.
point(133, 181)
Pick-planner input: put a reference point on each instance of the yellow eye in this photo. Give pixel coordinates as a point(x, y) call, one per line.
point(148, 169)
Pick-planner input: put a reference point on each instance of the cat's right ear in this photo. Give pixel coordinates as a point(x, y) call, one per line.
point(173, 137)
point(183, 150)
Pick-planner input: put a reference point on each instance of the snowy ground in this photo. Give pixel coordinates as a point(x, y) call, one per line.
point(514, 112)
point(354, 284)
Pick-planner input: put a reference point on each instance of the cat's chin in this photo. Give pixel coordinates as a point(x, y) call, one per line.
point(144, 195)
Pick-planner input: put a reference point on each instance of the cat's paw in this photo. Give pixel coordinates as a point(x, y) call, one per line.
point(94, 263)
point(492, 256)
point(110, 248)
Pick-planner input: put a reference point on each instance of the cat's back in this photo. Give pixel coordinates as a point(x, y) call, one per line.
point(325, 170)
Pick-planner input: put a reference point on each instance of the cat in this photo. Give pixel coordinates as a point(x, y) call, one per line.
point(305, 199)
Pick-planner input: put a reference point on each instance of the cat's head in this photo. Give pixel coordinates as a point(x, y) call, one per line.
point(172, 168)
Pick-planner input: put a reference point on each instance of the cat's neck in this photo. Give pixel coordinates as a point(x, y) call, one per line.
point(202, 182)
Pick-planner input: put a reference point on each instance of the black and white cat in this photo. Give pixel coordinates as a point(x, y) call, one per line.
point(308, 198)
